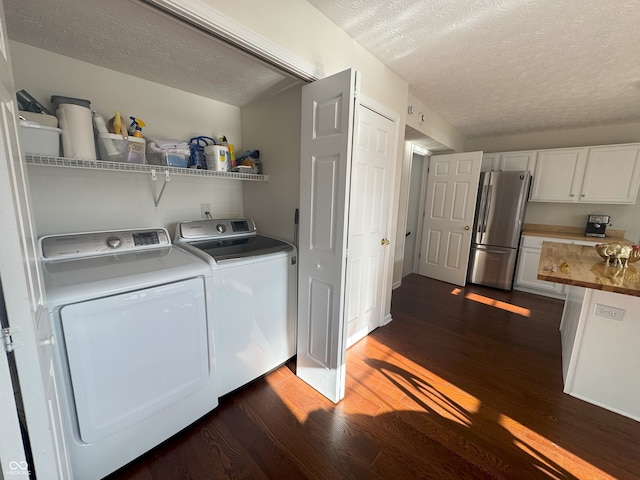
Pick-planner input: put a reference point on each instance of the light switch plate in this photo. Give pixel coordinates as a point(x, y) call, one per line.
point(608, 312)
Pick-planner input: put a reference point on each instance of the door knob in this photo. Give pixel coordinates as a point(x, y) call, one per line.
point(384, 241)
point(466, 227)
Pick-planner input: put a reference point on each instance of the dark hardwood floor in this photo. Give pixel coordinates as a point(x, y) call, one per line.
point(462, 384)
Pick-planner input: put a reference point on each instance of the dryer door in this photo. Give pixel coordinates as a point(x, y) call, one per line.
point(131, 355)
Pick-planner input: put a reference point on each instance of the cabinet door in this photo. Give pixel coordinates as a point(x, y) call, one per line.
point(490, 162)
point(518, 161)
point(527, 274)
point(558, 175)
point(612, 174)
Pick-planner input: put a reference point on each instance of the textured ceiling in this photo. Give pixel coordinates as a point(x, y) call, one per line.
point(511, 66)
point(488, 67)
point(131, 37)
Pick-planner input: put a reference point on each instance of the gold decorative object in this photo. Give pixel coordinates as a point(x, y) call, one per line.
point(618, 254)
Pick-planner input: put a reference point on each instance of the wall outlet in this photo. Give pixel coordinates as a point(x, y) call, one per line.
point(204, 209)
point(608, 312)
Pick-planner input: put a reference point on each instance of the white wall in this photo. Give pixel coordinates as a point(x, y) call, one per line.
point(434, 126)
point(624, 217)
point(273, 204)
point(68, 200)
point(575, 137)
point(301, 29)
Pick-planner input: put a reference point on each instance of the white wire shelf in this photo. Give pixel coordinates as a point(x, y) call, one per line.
point(134, 167)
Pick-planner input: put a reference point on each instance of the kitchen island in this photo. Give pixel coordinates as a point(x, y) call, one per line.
point(600, 327)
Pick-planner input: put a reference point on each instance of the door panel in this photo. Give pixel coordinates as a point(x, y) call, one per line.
point(373, 162)
point(452, 183)
point(323, 197)
point(327, 121)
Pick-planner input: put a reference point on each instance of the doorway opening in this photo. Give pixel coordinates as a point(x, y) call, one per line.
point(419, 165)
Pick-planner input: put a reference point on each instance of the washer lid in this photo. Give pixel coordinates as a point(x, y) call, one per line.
point(237, 248)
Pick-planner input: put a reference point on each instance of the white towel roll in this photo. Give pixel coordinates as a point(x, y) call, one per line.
point(77, 131)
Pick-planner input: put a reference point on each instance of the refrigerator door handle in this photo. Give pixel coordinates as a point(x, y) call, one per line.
point(499, 252)
point(487, 206)
point(481, 212)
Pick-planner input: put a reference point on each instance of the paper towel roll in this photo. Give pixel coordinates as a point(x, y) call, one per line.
point(77, 131)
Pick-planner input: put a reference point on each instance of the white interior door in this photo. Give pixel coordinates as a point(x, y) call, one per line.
point(452, 186)
point(371, 173)
point(328, 114)
point(23, 294)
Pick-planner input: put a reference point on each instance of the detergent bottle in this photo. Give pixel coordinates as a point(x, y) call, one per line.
point(137, 125)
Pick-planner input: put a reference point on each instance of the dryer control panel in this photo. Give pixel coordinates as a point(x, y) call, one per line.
point(87, 244)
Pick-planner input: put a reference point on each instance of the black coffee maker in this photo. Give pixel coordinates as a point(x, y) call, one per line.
point(596, 225)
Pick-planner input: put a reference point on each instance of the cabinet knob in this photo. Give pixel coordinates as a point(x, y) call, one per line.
point(466, 227)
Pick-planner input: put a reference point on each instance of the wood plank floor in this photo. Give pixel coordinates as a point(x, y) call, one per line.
point(462, 384)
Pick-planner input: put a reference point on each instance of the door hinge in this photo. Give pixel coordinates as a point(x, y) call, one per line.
point(7, 340)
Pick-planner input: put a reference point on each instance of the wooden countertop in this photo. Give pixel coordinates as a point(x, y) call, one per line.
point(572, 233)
point(585, 268)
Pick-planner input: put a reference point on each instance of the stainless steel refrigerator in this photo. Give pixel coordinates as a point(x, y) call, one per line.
point(499, 219)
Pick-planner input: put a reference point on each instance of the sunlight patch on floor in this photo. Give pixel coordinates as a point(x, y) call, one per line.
point(414, 388)
point(552, 458)
point(509, 307)
point(390, 382)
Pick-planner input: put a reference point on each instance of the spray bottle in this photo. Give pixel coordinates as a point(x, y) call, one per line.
point(137, 125)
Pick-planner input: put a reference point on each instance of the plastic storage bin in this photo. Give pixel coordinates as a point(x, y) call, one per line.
point(171, 158)
point(40, 140)
point(116, 148)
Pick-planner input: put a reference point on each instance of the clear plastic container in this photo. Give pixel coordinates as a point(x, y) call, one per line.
point(172, 157)
point(116, 148)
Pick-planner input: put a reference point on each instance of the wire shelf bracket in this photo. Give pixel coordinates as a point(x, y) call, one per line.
point(167, 179)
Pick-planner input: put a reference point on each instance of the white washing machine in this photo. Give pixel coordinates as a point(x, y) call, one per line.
point(133, 345)
point(254, 296)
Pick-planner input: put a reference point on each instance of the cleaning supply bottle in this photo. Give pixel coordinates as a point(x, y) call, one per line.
point(137, 125)
point(232, 154)
point(117, 123)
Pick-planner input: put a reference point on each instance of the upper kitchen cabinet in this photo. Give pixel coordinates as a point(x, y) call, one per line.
point(490, 162)
point(602, 174)
point(558, 175)
point(612, 174)
point(509, 161)
point(517, 161)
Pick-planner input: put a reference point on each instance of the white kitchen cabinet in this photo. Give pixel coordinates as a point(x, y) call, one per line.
point(558, 175)
point(490, 162)
point(612, 174)
point(509, 161)
point(602, 174)
point(517, 161)
point(526, 278)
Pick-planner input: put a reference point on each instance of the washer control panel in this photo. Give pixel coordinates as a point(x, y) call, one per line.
point(102, 243)
point(215, 228)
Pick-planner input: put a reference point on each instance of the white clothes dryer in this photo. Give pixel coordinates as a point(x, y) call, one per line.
point(254, 296)
point(134, 350)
